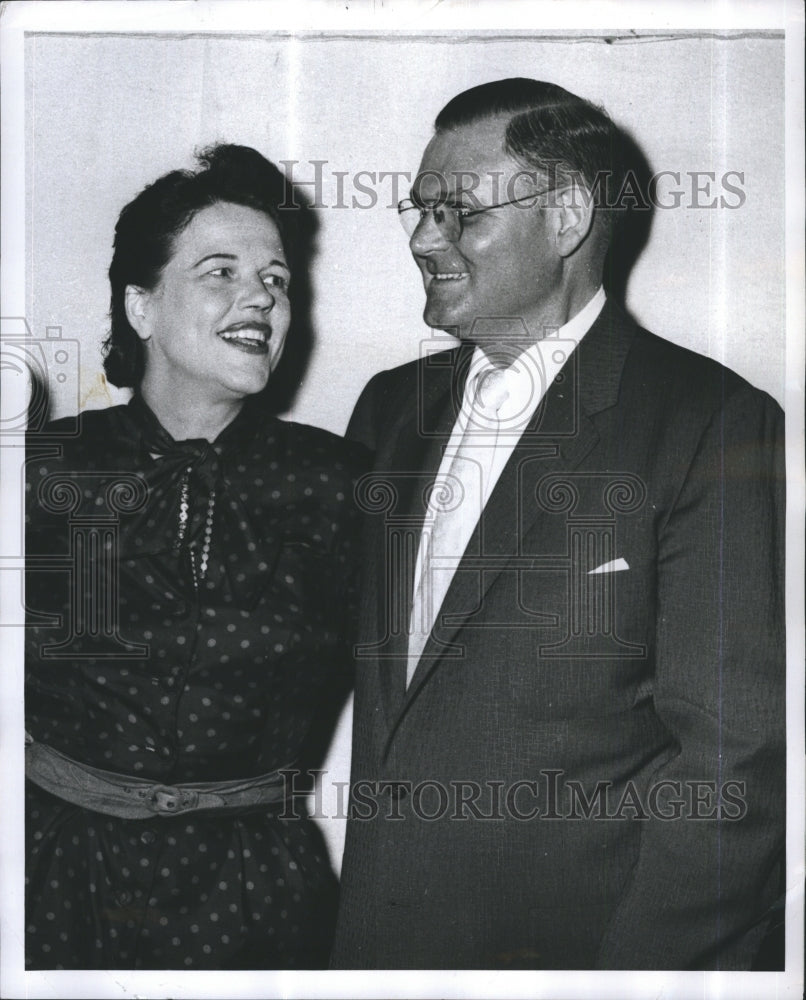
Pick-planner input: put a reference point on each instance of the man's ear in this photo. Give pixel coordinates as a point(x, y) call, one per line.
point(136, 299)
point(575, 210)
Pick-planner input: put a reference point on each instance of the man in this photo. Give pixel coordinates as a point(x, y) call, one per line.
point(569, 718)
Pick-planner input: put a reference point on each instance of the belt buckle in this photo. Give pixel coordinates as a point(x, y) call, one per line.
point(168, 799)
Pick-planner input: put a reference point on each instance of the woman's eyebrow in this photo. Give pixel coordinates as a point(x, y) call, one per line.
point(212, 256)
point(274, 262)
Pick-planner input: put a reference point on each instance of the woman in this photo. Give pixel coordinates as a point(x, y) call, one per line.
point(186, 625)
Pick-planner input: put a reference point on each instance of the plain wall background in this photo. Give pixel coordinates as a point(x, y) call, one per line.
point(107, 114)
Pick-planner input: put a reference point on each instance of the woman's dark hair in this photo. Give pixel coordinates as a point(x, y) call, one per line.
point(147, 229)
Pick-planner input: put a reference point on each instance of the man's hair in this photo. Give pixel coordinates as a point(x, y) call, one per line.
point(550, 130)
point(148, 227)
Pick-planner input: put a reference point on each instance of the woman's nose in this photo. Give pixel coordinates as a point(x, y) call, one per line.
point(257, 295)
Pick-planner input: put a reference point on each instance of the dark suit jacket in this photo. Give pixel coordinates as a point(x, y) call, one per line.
point(587, 769)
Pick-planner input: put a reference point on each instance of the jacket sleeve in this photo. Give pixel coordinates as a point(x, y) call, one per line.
point(701, 885)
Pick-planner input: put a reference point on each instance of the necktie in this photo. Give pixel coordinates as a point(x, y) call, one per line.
point(491, 393)
point(454, 508)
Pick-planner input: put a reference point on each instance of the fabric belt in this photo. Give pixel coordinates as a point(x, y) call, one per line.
point(139, 798)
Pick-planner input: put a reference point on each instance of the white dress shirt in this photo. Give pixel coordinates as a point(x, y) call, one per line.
point(489, 425)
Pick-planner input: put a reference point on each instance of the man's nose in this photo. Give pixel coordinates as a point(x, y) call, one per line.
point(428, 235)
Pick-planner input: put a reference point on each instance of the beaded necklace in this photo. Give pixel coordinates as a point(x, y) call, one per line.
point(184, 505)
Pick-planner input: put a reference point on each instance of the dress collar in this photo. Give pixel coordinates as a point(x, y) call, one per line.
point(158, 442)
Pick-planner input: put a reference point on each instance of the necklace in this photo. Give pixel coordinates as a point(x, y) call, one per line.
point(184, 506)
point(183, 509)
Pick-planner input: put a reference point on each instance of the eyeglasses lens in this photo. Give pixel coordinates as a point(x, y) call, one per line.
point(446, 217)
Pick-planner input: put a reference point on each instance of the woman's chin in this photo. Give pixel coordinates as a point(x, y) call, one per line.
point(247, 380)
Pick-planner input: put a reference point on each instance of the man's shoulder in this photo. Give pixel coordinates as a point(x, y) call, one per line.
point(392, 395)
point(682, 374)
point(664, 372)
point(438, 362)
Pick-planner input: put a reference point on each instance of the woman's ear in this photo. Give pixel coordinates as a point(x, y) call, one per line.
point(136, 299)
point(575, 218)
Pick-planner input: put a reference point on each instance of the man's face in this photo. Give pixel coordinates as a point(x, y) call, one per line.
point(504, 265)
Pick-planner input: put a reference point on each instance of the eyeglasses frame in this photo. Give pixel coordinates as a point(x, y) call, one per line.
point(462, 213)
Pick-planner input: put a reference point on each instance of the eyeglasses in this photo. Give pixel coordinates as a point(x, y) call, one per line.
point(450, 218)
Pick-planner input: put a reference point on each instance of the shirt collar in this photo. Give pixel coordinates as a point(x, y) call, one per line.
point(529, 375)
point(581, 322)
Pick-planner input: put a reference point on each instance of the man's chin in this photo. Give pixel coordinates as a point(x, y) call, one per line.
point(453, 329)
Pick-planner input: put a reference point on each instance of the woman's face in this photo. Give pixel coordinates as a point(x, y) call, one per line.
point(216, 322)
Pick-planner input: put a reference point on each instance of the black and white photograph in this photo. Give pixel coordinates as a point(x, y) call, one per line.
point(402, 550)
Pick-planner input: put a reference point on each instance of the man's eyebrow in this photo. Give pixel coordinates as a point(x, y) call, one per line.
point(443, 198)
point(461, 198)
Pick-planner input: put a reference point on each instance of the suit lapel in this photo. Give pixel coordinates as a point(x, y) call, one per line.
point(430, 407)
point(559, 437)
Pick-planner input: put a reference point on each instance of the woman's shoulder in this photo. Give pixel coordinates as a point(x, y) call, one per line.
point(83, 422)
point(89, 433)
point(309, 469)
point(317, 448)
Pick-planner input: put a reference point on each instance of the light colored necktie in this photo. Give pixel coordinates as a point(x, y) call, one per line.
point(454, 509)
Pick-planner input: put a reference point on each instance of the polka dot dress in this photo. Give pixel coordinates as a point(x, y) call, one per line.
point(183, 649)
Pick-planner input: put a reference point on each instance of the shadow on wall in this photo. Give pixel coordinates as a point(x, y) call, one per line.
point(633, 210)
point(284, 383)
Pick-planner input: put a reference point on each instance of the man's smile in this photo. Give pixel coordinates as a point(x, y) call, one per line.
point(432, 268)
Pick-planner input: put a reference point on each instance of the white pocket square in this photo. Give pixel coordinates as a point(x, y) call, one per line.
point(614, 566)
